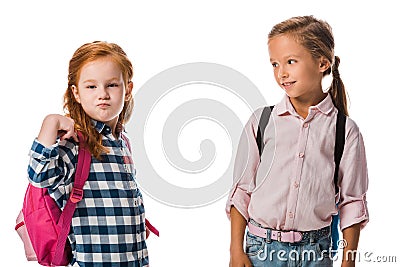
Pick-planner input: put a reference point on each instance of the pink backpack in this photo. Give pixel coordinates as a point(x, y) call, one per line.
point(42, 226)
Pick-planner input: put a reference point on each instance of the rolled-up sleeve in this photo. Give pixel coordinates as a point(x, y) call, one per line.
point(353, 177)
point(51, 166)
point(245, 168)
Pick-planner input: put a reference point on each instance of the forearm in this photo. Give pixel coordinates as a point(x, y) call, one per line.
point(238, 227)
point(351, 236)
point(47, 168)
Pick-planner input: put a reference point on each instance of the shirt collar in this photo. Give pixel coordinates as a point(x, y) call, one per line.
point(104, 129)
point(101, 127)
point(285, 107)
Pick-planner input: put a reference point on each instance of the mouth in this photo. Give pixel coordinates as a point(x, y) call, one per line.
point(103, 105)
point(288, 85)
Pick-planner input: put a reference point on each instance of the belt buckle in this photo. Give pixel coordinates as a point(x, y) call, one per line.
point(279, 236)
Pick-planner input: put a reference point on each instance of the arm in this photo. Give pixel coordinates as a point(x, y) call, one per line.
point(353, 180)
point(353, 188)
point(50, 164)
point(238, 226)
point(53, 125)
point(351, 235)
point(245, 169)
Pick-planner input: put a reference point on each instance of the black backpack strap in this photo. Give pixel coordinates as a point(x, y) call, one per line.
point(266, 113)
point(339, 144)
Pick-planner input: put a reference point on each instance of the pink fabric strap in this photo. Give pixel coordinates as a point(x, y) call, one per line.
point(152, 228)
point(64, 223)
point(289, 237)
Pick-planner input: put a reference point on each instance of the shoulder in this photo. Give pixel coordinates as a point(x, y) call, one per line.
point(258, 112)
point(254, 119)
point(256, 116)
point(126, 139)
point(352, 130)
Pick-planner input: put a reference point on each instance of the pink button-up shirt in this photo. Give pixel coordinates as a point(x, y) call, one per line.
point(292, 187)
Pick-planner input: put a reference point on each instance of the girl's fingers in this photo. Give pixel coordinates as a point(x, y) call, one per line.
point(61, 133)
point(67, 129)
point(75, 137)
point(64, 135)
point(68, 134)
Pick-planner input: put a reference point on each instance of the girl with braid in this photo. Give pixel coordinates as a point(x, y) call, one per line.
point(288, 214)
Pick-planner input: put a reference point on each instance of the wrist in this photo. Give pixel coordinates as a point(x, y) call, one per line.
point(349, 258)
point(348, 264)
point(236, 248)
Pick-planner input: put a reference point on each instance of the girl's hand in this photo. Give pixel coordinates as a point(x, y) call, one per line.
point(348, 264)
point(55, 125)
point(239, 259)
point(351, 234)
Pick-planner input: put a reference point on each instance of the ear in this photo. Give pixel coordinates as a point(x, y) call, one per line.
point(128, 93)
point(76, 93)
point(324, 64)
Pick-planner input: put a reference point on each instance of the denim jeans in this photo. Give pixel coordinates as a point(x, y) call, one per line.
point(311, 251)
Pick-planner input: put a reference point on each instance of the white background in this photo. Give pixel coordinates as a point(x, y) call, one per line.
point(39, 37)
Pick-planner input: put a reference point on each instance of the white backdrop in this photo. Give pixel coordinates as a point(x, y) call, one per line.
point(39, 37)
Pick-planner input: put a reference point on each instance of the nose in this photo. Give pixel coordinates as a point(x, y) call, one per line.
point(282, 73)
point(103, 92)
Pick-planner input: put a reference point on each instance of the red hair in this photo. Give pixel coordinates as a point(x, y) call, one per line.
point(84, 54)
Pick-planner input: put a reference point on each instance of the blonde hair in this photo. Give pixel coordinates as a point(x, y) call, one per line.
point(316, 36)
point(84, 54)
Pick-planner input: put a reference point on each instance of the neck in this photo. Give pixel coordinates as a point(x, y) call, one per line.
point(302, 104)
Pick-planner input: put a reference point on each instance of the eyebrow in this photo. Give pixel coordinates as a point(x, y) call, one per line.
point(94, 81)
point(286, 57)
point(89, 81)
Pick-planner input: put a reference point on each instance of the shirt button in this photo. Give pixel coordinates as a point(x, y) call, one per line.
point(301, 155)
point(291, 215)
point(305, 125)
point(296, 185)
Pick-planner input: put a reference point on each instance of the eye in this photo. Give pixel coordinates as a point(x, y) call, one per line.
point(113, 85)
point(291, 61)
point(91, 86)
point(274, 64)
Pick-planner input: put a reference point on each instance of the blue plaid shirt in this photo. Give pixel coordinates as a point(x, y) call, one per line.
point(108, 226)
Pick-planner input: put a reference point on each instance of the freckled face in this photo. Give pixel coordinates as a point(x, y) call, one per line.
point(101, 90)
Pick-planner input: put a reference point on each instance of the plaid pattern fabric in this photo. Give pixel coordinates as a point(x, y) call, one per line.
point(108, 226)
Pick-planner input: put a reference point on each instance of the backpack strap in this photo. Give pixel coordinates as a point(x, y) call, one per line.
point(148, 224)
point(266, 113)
point(339, 144)
point(81, 175)
point(339, 139)
point(339, 147)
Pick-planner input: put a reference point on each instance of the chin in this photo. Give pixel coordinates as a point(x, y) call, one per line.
point(290, 95)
